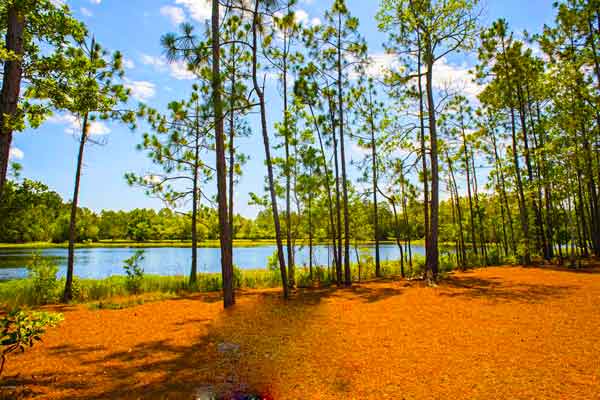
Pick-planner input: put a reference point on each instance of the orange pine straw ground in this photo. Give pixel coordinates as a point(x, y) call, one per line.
point(496, 333)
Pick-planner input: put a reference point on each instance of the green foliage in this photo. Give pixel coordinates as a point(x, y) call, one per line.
point(134, 272)
point(42, 273)
point(21, 330)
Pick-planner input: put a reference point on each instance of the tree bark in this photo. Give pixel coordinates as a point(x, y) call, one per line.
point(68, 293)
point(11, 87)
point(265, 135)
point(224, 231)
point(432, 256)
point(340, 94)
point(375, 211)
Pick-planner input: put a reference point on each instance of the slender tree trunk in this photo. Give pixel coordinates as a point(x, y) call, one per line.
point(406, 222)
point(224, 225)
point(232, 103)
point(194, 267)
point(340, 94)
point(521, 195)
point(375, 182)
point(398, 242)
point(463, 255)
point(11, 86)
point(328, 188)
point(432, 257)
point(265, 134)
point(310, 237)
point(337, 197)
point(287, 171)
point(468, 172)
point(68, 293)
point(423, 146)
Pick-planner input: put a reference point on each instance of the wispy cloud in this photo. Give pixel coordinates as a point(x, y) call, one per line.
point(177, 69)
point(141, 90)
point(174, 14)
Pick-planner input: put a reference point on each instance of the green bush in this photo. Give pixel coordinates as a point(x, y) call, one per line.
point(42, 273)
point(134, 272)
point(20, 330)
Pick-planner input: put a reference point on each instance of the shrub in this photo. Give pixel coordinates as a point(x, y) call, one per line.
point(273, 262)
point(20, 330)
point(134, 272)
point(42, 273)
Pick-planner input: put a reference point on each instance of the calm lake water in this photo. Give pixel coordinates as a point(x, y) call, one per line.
point(103, 262)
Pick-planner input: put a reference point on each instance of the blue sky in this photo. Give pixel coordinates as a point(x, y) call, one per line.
point(134, 27)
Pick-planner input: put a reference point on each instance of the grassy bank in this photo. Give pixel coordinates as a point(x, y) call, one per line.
point(47, 289)
point(25, 292)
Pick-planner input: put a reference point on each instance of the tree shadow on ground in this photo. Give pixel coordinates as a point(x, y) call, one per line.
point(495, 289)
point(259, 329)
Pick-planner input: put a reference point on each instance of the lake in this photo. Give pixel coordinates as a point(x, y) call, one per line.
point(99, 263)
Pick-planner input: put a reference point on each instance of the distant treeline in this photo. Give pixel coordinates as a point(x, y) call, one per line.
point(33, 213)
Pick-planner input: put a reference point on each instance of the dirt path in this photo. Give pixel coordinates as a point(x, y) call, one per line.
point(498, 333)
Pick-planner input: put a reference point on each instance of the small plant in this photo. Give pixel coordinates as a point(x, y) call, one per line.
point(20, 330)
point(42, 272)
point(273, 262)
point(135, 273)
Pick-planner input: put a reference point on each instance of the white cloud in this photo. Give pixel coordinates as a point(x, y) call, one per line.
point(15, 153)
point(381, 63)
point(446, 75)
point(157, 62)
point(200, 10)
point(180, 71)
point(141, 90)
point(95, 1)
point(316, 21)
point(86, 12)
point(177, 69)
point(175, 14)
point(95, 128)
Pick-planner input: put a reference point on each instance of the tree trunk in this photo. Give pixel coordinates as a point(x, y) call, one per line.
point(310, 237)
point(468, 172)
point(463, 255)
point(194, 267)
point(287, 173)
point(231, 171)
point(265, 135)
point(374, 167)
point(11, 87)
point(68, 293)
point(224, 231)
point(337, 196)
point(423, 147)
point(432, 251)
point(340, 94)
point(328, 188)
